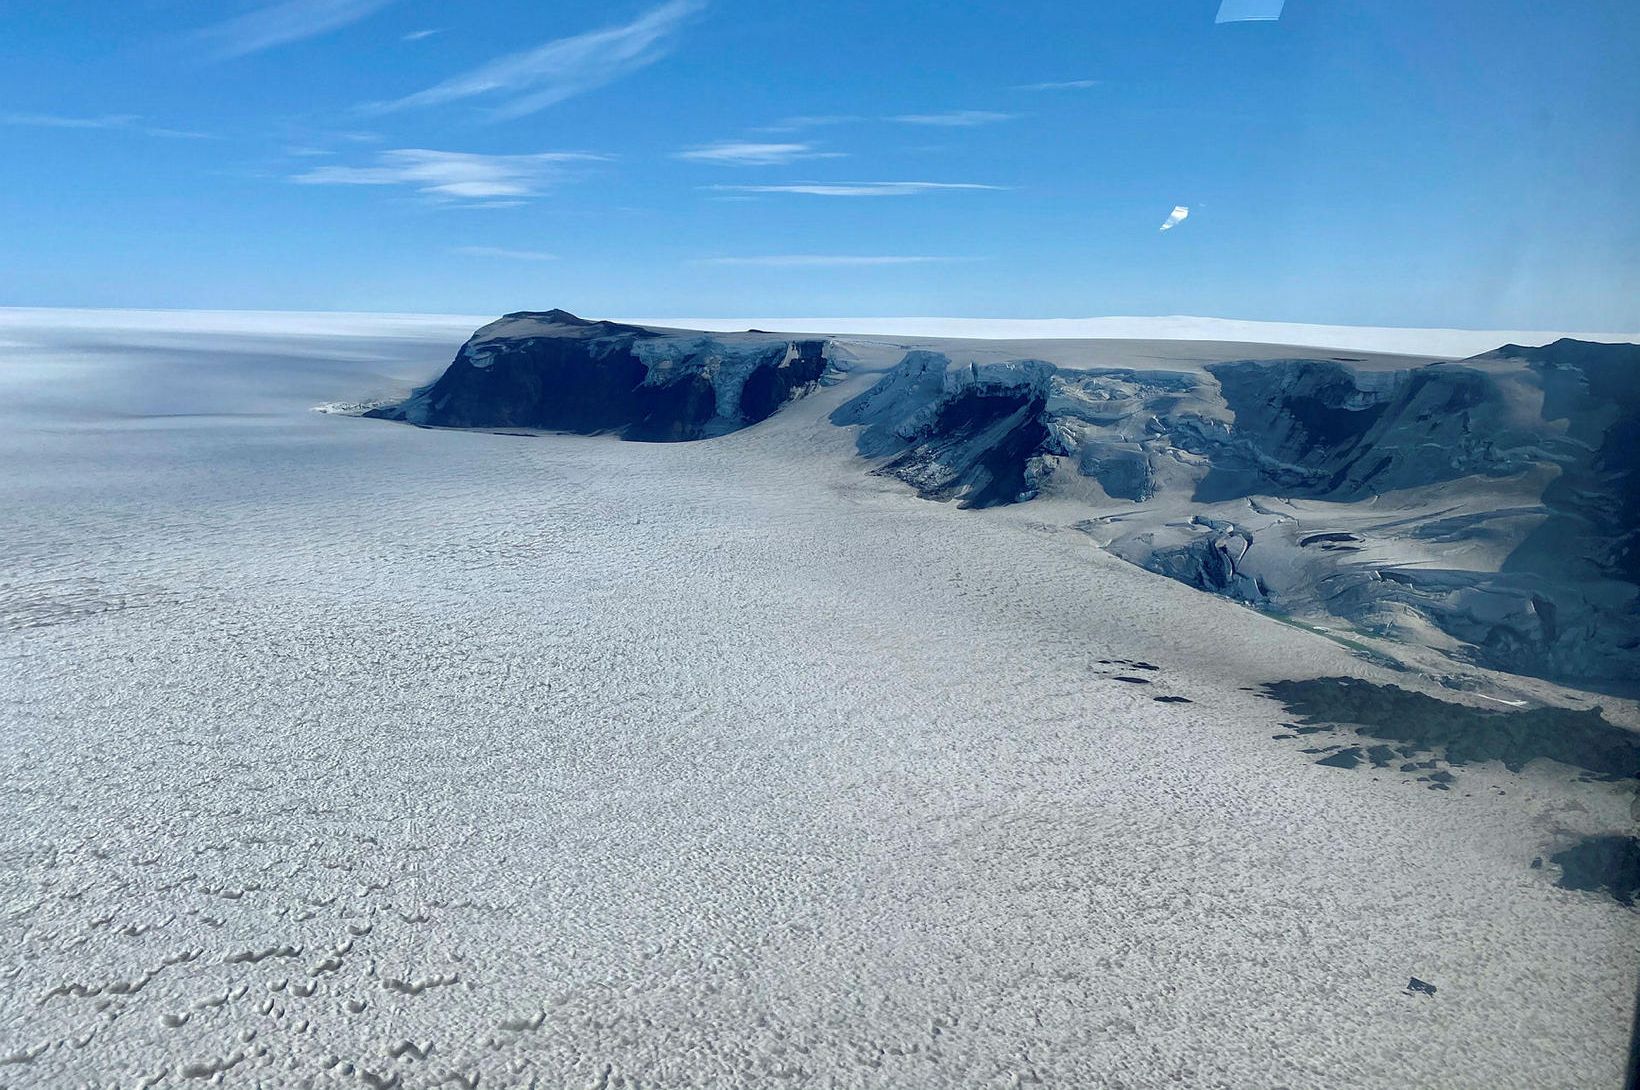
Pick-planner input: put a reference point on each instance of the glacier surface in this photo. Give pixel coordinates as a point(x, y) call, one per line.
point(346, 755)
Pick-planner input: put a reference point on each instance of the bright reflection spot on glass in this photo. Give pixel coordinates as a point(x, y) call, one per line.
point(1249, 11)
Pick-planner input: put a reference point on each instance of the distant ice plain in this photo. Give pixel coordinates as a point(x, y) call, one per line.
point(341, 749)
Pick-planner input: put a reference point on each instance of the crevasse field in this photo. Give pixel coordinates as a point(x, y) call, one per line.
point(342, 753)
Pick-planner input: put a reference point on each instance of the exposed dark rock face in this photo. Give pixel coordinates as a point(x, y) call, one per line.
point(1582, 739)
point(976, 436)
point(978, 450)
point(1321, 429)
point(553, 371)
point(773, 383)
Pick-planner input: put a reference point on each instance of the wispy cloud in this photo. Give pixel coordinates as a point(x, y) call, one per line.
point(797, 261)
point(750, 154)
point(504, 253)
point(810, 121)
point(280, 24)
point(452, 175)
point(117, 122)
point(421, 35)
point(855, 189)
point(525, 82)
point(955, 119)
point(1175, 217)
point(1059, 85)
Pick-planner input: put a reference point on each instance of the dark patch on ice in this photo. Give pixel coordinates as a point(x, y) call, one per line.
point(1330, 536)
point(1584, 739)
point(1381, 756)
point(1344, 758)
point(1131, 680)
point(1172, 700)
point(1609, 864)
point(1420, 987)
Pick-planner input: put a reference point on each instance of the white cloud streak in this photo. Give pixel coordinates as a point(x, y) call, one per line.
point(751, 154)
point(280, 24)
point(799, 261)
point(855, 189)
point(954, 119)
point(452, 175)
point(548, 74)
point(1175, 217)
point(114, 122)
point(810, 121)
point(1059, 85)
point(421, 35)
point(504, 254)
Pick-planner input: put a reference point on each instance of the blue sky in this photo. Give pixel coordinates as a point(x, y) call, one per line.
point(1397, 162)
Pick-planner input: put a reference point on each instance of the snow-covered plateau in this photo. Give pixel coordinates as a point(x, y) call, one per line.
point(346, 754)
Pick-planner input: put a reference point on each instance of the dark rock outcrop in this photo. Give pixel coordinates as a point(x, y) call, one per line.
point(553, 371)
point(1322, 429)
point(975, 435)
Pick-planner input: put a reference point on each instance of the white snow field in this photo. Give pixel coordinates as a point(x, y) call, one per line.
point(342, 753)
point(1449, 343)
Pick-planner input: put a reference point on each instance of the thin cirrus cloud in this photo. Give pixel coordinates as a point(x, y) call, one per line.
point(731, 153)
point(421, 35)
point(453, 175)
point(810, 121)
point(799, 261)
point(854, 189)
point(1059, 85)
point(280, 24)
point(954, 119)
point(504, 254)
point(523, 83)
point(115, 122)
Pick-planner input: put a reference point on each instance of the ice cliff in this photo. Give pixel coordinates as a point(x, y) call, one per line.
point(1488, 507)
